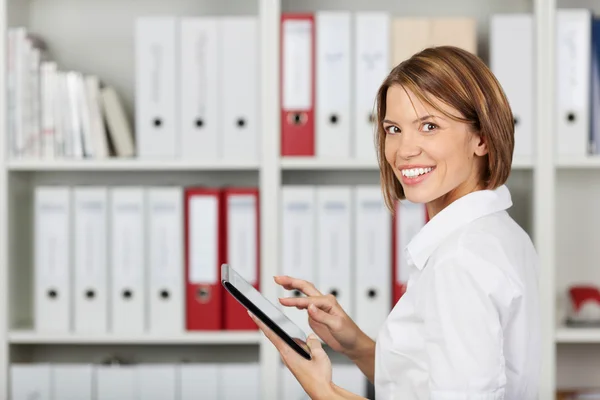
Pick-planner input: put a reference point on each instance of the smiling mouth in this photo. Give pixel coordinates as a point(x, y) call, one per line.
point(416, 172)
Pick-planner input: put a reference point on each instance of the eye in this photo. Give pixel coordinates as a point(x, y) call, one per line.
point(391, 129)
point(428, 126)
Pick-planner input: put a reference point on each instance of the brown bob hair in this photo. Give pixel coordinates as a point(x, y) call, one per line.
point(461, 80)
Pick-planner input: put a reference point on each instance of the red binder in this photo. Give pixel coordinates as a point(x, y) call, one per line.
point(237, 204)
point(204, 249)
point(297, 85)
point(399, 288)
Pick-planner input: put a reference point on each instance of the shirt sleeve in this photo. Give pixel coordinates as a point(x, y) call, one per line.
point(463, 307)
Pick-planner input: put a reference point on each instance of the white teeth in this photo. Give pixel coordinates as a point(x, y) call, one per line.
point(415, 172)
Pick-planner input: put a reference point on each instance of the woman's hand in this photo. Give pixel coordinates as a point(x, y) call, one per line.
point(325, 316)
point(313, 375)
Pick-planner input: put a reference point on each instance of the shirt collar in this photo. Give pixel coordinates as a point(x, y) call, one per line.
point(459, 213)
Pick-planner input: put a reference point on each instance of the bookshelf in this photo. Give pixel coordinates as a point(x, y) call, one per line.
point(198, 338)
point(555, 198)
point(119, 165)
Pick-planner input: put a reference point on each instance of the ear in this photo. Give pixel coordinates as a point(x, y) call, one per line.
point(481, 148)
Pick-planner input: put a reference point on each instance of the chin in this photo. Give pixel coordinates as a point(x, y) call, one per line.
point(417, 196)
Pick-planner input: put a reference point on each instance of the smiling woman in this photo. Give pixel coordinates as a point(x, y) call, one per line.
point(468, 325)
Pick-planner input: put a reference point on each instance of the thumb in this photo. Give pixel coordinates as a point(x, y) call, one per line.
point(314, 344)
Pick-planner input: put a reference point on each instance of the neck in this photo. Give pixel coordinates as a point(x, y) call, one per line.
point(437, 205)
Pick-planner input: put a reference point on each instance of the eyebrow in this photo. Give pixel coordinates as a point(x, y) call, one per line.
point(414, 122)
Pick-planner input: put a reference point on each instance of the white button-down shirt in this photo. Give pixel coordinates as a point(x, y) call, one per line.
point(468, 325)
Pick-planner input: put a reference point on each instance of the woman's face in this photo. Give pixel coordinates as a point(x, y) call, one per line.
point(433, 157)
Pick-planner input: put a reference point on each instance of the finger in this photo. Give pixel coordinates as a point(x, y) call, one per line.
point(325, 303)
point(303, 286)
point(333, 322)
point(316, 348)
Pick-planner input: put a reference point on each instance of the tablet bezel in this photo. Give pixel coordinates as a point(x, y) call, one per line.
point(250, 306)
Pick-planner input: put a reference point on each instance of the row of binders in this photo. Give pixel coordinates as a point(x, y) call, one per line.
point(134, 260)
point(345, 241)
point(332, 64)
point(577, 78)
point(189, 381)
point(55, 113)
point(197, 87)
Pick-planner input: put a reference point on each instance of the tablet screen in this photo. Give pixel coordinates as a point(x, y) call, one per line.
point(263, 309)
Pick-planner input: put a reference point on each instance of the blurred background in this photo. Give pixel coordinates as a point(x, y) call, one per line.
point(146, 142)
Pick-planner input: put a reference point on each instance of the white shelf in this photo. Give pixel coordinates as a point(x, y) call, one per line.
point(316, 164)
point(579, 162)
point(207, 338)
point(577, 335)
point(129, 165)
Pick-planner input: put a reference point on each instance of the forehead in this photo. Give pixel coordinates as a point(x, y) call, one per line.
point(404, 104)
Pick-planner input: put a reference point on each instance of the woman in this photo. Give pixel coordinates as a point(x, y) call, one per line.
point(468, 325)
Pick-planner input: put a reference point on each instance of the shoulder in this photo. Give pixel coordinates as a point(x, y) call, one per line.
point(492, 256)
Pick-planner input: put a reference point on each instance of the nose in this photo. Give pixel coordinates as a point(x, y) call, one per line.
point(409, 145)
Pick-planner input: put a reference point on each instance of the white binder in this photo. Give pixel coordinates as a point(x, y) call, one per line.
point(156, 382)
point(156, 87)
point(199, 117)
point(410, 218)
point(166, 307)
point(242, 239)
point(53, 294)
point(372, 64)
point(116, 382)
point(30, 381)
point(240, 381)
point(573, 74)
point(91, 260)
point(334, 227)
point(333, 83)
point(372, 244)
point(239, 87)
point(298, 254)
point(199, 380)
point(511, 60)
point(128, 297)
point(73, 382)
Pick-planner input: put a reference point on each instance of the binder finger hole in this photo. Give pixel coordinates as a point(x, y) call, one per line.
point(516, 121)
point(127, 294)
point(297, 118)
point(297, 293)
point(372, 293)
point(333, 119)
point(571, 117)
point(202, 295)
point(52, 293)
point(157, 122)
point(371, 118)
point(334, 293)
point(90, 294)
point(241, 122)
point(164, 294)
point(199, 123)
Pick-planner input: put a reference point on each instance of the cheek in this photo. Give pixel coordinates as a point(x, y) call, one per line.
point(445, 153)
point(389, 150)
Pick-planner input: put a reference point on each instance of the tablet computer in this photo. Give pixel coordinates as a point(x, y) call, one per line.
point(264, 310)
